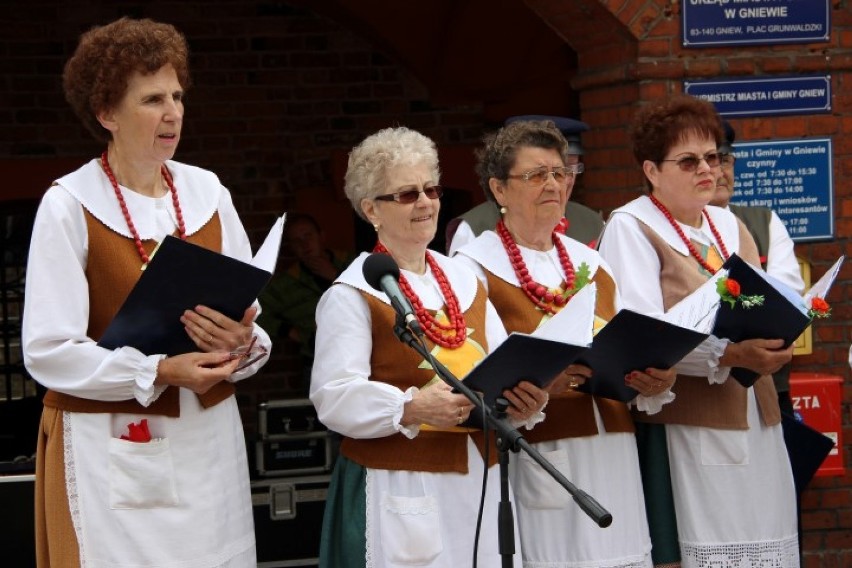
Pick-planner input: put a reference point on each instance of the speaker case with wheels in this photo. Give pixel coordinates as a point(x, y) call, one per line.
point(287, 417)
point(288, 516)
point(298, 454)
point(291, 439)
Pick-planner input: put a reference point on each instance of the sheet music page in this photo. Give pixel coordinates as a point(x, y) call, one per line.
point(822, 286)
point(698, 310)
point(574, 322)
point(267, 255)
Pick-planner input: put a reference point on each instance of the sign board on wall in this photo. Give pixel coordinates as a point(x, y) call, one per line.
point(792, 177)
point(765, 96)
point(754, 22)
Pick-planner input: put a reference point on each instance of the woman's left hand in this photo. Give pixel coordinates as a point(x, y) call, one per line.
point(652, 382)
point(526, 400)
point(214, 331)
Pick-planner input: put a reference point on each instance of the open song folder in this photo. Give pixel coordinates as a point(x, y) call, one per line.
point(179, 277)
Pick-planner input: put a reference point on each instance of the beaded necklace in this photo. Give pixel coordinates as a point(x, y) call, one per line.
point(543, 298)
point(667, 214)
point(136, 239)
point(450, 336)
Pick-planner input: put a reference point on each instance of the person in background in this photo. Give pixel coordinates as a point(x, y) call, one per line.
point(718, 483)
point(589, 439)
point(290, 299)
point(578, 221)
point(406, 488)
point(777, 254)
point(141, 457)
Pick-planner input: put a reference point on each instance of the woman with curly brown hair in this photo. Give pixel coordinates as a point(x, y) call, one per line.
point(141, 457)
point(717, 479)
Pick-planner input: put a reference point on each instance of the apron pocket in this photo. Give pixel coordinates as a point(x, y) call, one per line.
point(723, 447)
point(141, 475)
point(411, 532)
point(535, 488)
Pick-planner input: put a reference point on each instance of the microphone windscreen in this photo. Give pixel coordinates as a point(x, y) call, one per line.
point(378, 265)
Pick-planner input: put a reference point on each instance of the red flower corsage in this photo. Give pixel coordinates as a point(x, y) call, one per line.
point(138, 432)
point(730, 292)
point(819, 308)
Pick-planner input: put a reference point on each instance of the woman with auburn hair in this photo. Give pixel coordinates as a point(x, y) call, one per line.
point(717, 479)
point(141, 457)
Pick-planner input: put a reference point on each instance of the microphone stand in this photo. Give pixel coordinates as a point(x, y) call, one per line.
point(508, 439)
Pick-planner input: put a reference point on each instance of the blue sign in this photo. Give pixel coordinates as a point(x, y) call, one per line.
point(754, 22)
point(756, 97)
point(794, 179)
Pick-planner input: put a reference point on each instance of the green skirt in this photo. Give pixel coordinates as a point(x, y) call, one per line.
point(343, 543)
point(659, 498)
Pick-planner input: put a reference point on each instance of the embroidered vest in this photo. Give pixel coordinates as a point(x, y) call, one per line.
point(569, 414)
point(699, 403)
point(397, 364)
point(112, 270)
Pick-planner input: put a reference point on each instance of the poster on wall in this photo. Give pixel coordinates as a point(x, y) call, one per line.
point(749, 96)
point(708, 23)
point(791, 177)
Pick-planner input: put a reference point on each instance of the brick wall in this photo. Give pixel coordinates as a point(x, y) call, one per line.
point(277, 92)
point(281, 93)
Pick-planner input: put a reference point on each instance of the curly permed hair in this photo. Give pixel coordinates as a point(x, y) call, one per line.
point(500, 149)
point(371, 160)
point(662, 124)
point(95, 78)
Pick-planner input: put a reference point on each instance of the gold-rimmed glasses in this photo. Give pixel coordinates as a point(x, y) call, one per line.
point(540, 175)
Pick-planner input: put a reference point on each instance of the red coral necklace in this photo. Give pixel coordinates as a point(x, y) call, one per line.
point(450, 336)
point(136, 239)
point(667, 214)
point(543, 298)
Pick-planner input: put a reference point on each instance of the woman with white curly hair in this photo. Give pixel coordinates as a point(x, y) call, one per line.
point(406, 487)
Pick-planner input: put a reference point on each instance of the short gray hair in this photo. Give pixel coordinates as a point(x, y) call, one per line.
point(370, 161)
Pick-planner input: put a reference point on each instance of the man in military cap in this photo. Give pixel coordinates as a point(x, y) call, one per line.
point(581, 223)
point(777, 254)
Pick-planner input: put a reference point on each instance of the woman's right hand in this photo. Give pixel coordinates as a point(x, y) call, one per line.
point(197, 372)
point(436, 405)
point(764, 356)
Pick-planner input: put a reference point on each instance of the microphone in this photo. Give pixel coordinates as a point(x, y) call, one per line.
point(382, 273)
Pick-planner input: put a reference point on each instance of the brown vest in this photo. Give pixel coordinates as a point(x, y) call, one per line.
point(397, 364)
point(112, 269)
point(569, 414)
point(699, 403)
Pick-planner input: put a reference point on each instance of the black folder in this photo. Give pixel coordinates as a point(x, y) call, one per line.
point(782, 316)
point(179, 277)
point(521, 357)
point(807, 449)
point(633, 342)
point(629, 342)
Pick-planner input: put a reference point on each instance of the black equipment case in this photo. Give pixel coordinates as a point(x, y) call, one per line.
point(288, 519)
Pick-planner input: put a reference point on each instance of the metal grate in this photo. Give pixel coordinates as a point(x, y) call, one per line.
point(16, 221)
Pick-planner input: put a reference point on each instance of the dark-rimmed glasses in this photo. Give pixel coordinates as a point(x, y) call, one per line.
point(407, 196)
point(691, 163)
point(727, 159)
point(540, 175)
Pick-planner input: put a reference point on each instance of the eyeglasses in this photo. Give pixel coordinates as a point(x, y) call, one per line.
point(691, 163)
point(250, 354)
point(727, 159)
point(539, 176)
point(407, 196)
